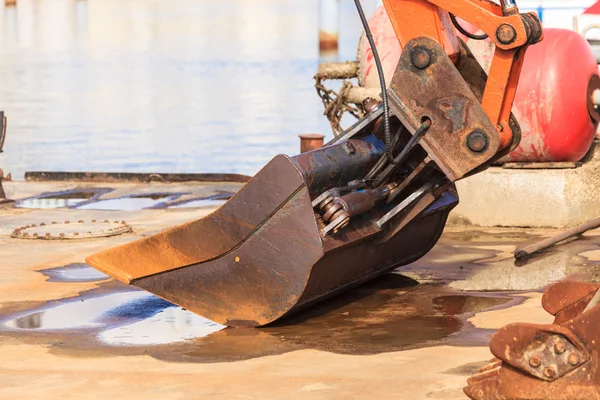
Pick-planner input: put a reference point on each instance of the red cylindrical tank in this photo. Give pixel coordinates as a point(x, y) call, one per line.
point(553, 99)
point(552, 103)
point(387, 45)
point(390, 50)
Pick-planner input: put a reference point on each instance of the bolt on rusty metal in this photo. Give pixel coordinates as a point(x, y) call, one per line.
point(573, 359)
point(535, 361)
point(506, 34)
point(550, 372)
point(369, 104)
point(420, 57)
point(477, 141)
point(559, 347)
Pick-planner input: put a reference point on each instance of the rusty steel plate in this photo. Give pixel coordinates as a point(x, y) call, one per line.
point(461, 138)
point(558, 361)
point(71, 230)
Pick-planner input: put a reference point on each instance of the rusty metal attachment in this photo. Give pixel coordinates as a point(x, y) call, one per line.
point(558, 361)
point(446, 100)
point(71, 230)
point(267, 252)
point(251, 265)
point(374, 198)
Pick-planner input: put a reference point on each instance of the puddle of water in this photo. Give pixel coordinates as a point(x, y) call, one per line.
point(390, 314)
point(127, 318)
point(132, 203)
point(74, 273)
point(74, 314)
point(381, 318)
point(170, 325)
point(62, 200)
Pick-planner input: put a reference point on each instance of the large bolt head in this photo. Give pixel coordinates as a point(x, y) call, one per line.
point(420, 57)
point(550, 372)
point(477, 141)
point(506, 34)
point(535, 361)
point(574, 359)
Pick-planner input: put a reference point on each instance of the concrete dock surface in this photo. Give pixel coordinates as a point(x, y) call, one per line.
point(70, 332)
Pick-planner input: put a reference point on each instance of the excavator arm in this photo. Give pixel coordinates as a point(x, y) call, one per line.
point(439, 93)
point(510, 32)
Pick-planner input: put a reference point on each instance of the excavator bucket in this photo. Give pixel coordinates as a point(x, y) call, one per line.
point(308, 227)
point(264, 254)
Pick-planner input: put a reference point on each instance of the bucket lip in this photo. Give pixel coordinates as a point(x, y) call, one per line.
point(205, 239)
point(213, 287)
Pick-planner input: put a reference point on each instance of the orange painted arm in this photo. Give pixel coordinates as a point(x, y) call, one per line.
point(510, 31)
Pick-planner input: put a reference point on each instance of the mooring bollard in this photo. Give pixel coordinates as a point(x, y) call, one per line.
point(311, 141)
point(3, 198)
point(329, 24)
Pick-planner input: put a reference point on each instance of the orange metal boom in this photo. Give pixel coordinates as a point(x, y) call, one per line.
point(510, 31)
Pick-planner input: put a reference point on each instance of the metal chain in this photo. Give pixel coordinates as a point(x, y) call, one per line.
point(336, 104)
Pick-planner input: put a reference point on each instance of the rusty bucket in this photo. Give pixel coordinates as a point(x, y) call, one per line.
point(262, 256)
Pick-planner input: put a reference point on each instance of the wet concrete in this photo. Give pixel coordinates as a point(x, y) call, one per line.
point(93, 199)
point(390, 314)
point(77, 272)
point(472, 259)
point(63, 199)
point(60, 326)
point(129, 318)
point(132, 203)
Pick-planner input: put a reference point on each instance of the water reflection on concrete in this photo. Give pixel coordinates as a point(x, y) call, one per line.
point(58, 200)
point(130, 203)
point(170, 325)
point(389, 314)
point(49, 203)
point(74, 273)
point(168, 86)
point(74, 314)
point(125, 318)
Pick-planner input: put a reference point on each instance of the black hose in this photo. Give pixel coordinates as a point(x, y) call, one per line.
point(383, 161)
point(386, 111)
point(396, 164)
point(464, 31)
